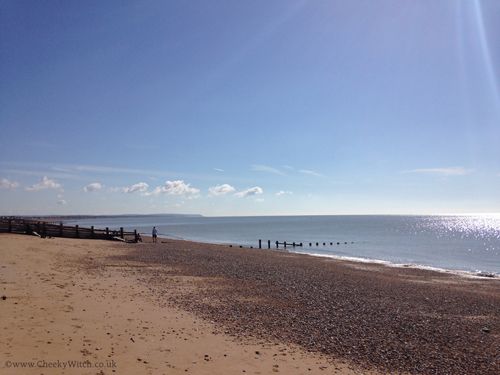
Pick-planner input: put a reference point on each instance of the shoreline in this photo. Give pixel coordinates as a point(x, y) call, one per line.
point(482, 275)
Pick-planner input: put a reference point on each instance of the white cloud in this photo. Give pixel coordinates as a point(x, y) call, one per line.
point(311, 173)
point(450, 171)
point(94, 186)
point(218, 170)
point(178, 187)
point(266, 168)
point(7, 184)
point(282, 192)
point(221, 189)
point(62, 202)
point(140, 187)
point(45, 183)
point(256, 190)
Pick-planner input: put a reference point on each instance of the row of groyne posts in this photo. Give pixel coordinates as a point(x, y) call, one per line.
point(298, 244)
point(51, 229)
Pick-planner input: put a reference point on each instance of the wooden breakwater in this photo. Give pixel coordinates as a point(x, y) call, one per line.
point(299, 244)
point(53, 229)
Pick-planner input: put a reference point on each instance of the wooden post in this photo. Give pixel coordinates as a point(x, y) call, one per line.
point(277, 244)
point(260, 244)
point(107, 232)
point(76, 232)
point(293, 244)
point(300, 244)
point(136, 239)
point(44, 230)
point(92, 231)
point(38, 227)
point(284, 243)
point(310, 244)
point(268, 244)
point(121, 232)
point(10, 225)
point(61, 229)
point(317, 243)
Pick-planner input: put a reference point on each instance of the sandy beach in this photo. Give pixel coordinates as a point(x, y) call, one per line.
point(95, 307)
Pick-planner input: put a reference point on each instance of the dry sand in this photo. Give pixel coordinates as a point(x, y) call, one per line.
point(69, 304)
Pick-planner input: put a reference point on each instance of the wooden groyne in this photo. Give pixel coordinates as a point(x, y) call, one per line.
point(52, 229)
point(299, 244)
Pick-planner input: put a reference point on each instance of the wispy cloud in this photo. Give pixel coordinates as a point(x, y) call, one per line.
point(218, 170)
point(449, 171)
point(94, 186)
point(221, 190)
point(283, 192)
point(178, 187)
point(7, 184)
point(43, 172)
point(311, 173)
point(70, 170)
point(256, 190)
point(45, 183)
point(82, 172)
point(106, 169)
point(266, 168)
point(140, 187)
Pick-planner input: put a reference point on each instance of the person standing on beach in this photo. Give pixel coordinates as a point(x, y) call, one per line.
point(155, 234)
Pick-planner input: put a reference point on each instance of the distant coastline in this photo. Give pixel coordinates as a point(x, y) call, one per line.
point(83, 217)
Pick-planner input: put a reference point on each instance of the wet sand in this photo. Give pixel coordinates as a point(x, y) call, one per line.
point(85, 305)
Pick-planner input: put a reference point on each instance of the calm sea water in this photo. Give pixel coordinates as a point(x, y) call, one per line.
point(467, 243)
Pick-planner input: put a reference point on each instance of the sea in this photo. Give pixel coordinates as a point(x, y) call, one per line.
point(463, 243)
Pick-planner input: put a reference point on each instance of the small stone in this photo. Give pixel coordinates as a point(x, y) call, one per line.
point(486, 329)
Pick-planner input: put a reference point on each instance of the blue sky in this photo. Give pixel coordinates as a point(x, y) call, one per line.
point(249, 108)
